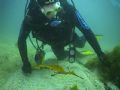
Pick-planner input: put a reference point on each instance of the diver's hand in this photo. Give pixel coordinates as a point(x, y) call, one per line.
point(26, 68)
point(104, 59)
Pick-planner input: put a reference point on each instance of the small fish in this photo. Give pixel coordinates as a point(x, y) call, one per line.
point(87, 52)
point(98, 36)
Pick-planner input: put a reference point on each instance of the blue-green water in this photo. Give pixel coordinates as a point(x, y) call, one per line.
point(103, 16)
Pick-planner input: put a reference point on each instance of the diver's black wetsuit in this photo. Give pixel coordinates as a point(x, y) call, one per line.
point(56, 37)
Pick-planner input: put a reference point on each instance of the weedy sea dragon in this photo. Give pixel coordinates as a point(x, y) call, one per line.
point(56, 68)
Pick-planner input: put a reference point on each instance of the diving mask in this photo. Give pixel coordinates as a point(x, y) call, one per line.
point(51, 10)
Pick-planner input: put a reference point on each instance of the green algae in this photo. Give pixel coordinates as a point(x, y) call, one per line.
point(56, 68)
point(108, 73)
point(75, 87)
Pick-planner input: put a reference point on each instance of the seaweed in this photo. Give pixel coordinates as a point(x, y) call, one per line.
point(111, 73)
point(75, 87)
point(56, 68)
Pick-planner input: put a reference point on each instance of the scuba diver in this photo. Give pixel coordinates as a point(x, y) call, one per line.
point(53, 23)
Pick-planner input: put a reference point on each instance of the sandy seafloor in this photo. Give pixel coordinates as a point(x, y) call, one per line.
point(104, 23)
point(12, 78)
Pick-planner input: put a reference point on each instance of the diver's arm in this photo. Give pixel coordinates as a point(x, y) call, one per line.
point(25, 30)
point(84, 28)
point(22, 46)
point(89, 35)
point(22, 42)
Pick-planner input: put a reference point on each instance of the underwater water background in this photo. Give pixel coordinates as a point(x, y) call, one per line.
point(103, 16)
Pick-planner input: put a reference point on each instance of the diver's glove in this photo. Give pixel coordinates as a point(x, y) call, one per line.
point(55, 23)
point(104, 59)
point(26, 68)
